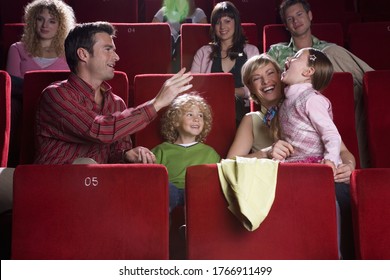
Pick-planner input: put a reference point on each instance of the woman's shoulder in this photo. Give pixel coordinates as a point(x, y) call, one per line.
point(254, 114)
point(18, 45)
point(205, 49)
point(199, 13)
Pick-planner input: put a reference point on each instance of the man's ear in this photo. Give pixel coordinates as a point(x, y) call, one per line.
point(83, 54)
point(310, 15)
point(308, 72)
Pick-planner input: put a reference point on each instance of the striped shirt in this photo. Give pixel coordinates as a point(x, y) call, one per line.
point(70, 125)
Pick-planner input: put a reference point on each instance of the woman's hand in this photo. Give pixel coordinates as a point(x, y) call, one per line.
point(343, 173)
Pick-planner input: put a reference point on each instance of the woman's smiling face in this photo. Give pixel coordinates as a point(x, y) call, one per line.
point(265, 83)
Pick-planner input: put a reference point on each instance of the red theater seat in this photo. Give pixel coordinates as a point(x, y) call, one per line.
point(112, 11)
point(370, 191)
point(143, 48)
point(5, 116)
point(99, 211)
point(150, 8)
point(12, 32)
point(196, 35)
point(340, 94)
point(34, 83)
point(12, 11)
point(369, 11)
point(277, 33)
point(300, 225)
point(369, 41)
point(216, 88)
point(376, 100)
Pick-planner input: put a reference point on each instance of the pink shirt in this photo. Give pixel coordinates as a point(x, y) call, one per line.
point(202, 62)
point(306, 123)
point(20, 61)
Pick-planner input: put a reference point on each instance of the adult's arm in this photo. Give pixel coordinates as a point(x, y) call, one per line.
point(243, 141)
point(344, 170)
point(201, 62)
point(13, 61)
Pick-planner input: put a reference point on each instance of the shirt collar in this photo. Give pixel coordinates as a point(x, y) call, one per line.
point(296, 89)
point(315, 41)
point(86, 88)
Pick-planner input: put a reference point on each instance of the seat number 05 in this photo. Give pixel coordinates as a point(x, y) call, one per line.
point(91, 181)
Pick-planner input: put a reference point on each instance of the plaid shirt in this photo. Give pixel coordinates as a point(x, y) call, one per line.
point(281, 51)
point(70, 125)
point(306, 123)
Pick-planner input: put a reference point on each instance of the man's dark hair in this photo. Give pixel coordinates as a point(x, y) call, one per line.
point(83, 36)
point(288, 3)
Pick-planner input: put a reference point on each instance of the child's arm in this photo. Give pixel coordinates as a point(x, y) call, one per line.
point(319, 112)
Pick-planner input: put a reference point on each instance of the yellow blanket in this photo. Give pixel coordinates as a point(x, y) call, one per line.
point(249, 187)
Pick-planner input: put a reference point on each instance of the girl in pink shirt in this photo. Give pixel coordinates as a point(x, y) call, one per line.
point(305, 117)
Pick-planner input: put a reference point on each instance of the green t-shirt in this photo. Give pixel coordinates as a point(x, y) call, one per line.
point(177, 158)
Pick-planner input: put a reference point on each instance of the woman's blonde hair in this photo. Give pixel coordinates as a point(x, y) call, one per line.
point(250, 66)
point(58, 9)
point(179, 106)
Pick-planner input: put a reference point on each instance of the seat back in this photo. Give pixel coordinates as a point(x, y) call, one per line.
point(97, 211)
point(5, 116)
point(277, 33)
point(376, 99)
point(370, 192)
point(300, 225)
point(12, 32)
point(34, 83)
point(141, 53)
point(149, 9)
point(112, 11)
point(196, 35)
point(363, 36)
point(12, 11)
point(378, 12)
point(216, 88)
point(341, 95)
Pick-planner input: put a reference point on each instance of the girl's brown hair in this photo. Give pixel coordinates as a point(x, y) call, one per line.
point(323, 68)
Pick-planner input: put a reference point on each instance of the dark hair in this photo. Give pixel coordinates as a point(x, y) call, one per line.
point(227, 9)
point(288, 3)
point(323, 68)
point(83, 36)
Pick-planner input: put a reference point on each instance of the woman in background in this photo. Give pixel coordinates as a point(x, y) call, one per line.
point(227, 52)
point(41, 47)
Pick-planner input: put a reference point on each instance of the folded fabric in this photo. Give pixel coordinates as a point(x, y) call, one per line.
point(249, 185)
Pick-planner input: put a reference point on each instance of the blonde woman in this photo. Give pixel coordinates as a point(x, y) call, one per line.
point(41, 47)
